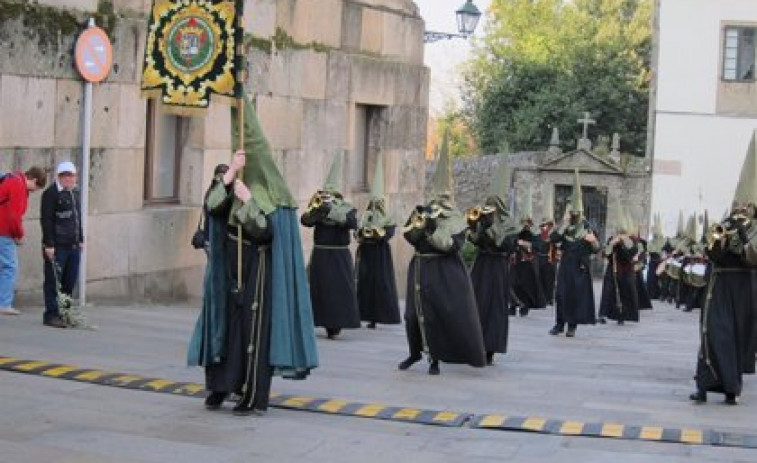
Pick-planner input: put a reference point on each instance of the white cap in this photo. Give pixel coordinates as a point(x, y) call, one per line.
point(65, 166)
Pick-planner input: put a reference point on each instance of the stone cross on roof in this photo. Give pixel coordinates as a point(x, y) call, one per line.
point(584, 143)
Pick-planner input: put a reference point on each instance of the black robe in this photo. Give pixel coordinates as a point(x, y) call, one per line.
point(727, 350)
point(246, 371)
point(543, 250)
point(574, 293)
point(524, 277)
point(645, 302)
point(376, 286)
point(620, 279)
point(653, 282)
point(490, 278)
point(331, 272)
point(440, 291)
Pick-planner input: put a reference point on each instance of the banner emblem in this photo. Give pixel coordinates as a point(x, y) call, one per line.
point(190, 53)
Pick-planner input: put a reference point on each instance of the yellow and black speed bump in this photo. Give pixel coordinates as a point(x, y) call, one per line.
point(407, 415)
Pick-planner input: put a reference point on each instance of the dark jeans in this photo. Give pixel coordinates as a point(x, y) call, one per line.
point(68, 271)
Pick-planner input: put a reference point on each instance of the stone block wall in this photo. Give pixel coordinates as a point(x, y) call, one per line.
point(311, 62)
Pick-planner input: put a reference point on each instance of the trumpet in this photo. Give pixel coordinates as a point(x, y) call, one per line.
point(475, 213)
point(319, 199)
point(373, 232)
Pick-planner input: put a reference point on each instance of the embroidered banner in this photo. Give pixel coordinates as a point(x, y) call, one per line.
point(190, 54)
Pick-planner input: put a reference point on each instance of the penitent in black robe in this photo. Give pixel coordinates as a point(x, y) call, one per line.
point(376, 286)
point(332, 274)
point(543, 250)
point(524, 278)
point(440, 292)
point(726, 349)
point(247, 371)
point(574, 293)
point(620, 279)
point(653, 281)
point(490, 278)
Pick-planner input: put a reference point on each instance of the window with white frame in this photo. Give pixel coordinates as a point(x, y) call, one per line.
point(739, 54)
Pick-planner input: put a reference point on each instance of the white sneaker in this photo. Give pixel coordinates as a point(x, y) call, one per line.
point(9, 311)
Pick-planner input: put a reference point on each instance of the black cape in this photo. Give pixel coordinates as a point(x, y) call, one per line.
point(574, 294)
point(621, 282)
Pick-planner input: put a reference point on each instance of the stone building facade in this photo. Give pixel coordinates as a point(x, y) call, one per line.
point(329, 77)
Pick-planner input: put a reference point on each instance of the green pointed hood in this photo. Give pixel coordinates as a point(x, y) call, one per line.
point(334, 179)
point(679, 228)
point(261, 175)
point(577, 201)
point(377, 187)
point(441, 183)
point(500, 183)
point(746, 189)
point(526, 207)
point(691, 228)
point(657, 226)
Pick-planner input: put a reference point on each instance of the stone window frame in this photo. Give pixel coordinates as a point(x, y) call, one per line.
point(373, 130)
point(151, 138)
point(726, 45)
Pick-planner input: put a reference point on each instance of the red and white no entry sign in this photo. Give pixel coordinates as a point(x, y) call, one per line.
point(94, 54)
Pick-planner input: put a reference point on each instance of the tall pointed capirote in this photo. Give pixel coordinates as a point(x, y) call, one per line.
point(334, 179)
point(377, 187)
point(746, 189)
point(577, 201)
point(442, 183)
point(679, 228)
point(501, 180)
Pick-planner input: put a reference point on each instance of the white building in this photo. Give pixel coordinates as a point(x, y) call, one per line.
point(705, 106)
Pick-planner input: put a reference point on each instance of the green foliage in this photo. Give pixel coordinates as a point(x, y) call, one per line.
point(461, 141)
point(543, 63)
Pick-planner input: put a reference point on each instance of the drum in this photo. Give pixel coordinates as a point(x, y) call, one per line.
point(673, 269)
point(695, 275)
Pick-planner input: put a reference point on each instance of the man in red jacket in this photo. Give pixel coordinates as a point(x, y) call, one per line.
point(14, 193)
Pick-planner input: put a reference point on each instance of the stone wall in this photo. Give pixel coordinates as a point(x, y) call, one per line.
point(311, 62)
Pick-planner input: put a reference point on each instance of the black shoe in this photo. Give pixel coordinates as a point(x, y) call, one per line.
point(433, 369)
point(55, 322)
point(621, 322)
point(730, 399)
point(571, 332)
point(332, 333)
point(371, 325)
point(512, 310)
point(408, 362)
point(556, 330)
point(243, 410)
point(523, 312)
point(698, 397)
point(602, 320)
point(214, 400)
point(490, 358)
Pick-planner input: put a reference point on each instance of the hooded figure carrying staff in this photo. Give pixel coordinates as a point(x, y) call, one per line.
point(256, 320)
point(441, 318)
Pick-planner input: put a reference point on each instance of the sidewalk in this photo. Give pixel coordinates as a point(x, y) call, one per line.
point(637, 374)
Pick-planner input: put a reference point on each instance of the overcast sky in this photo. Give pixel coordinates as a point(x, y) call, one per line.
point(443, 56)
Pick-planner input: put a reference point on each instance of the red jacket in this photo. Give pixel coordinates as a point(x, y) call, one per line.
point(13, 200)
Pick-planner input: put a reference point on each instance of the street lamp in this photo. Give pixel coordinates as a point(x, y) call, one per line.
point(467, 20)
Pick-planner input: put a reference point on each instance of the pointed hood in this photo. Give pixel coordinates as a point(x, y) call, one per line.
point(577, 201)
point(442, 184)
point(705, 227)
point(679, 228)
point(548, 209)
point(526, 207)
point(377, 187)
point(746, 189)
point(261, 175)
point(658, 226)
point(691, 228)
point(333, 181)
point(500, 183)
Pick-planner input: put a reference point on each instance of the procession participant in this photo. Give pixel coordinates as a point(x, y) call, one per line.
point(441, 318)
point(574, 293)
point(256, 319)
point(376, 287)
point(546, 253)
point(332, 273)
point(619, 300)
point(524, 277)
point(494, 232)
point(654, 257)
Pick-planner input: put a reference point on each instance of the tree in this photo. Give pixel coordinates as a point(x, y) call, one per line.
point(461, 139)
point(543, 63)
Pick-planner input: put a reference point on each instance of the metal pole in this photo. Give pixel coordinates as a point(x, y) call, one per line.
point(86, 133)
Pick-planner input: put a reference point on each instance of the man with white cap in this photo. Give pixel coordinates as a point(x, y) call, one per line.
point(62, 239)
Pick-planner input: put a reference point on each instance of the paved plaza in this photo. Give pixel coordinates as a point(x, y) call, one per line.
point(633, 375)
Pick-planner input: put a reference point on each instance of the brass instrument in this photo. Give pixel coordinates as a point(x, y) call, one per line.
point(319, 199)
point(724, 230)
point(372, 232)
point(420, 216)
point(474, 214)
